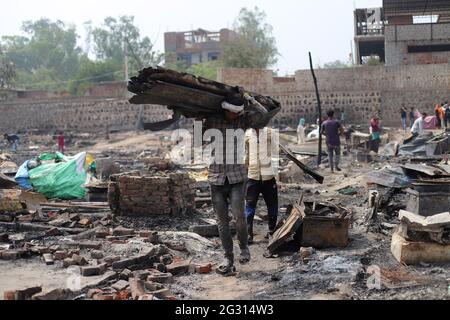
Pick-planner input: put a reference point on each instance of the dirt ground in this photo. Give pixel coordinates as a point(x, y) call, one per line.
point(331, 274)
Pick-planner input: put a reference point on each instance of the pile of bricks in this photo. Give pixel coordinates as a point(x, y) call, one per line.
point(164, 193)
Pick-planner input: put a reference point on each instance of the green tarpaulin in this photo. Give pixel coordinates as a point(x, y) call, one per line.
point(61, 180)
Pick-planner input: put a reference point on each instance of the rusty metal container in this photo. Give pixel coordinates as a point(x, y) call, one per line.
point(427, 199)
point(324, 226)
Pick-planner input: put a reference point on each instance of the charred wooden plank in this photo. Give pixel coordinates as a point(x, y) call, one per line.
point(195, 97)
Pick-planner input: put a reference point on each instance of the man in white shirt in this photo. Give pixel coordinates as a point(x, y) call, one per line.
point(261, 178)
point(417, 128)
point(301, 132)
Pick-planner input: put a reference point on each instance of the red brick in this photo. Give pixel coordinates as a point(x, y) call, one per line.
point(84, 222)
point(48, 259)
point(60, 255)
point(104, 296)
point(101, 234)
point(90, 245)
point(92, 292)
point(10, 255)
point(53, 232)
point(90, 271)
point(79, 260)
point(121, 231)
point(178, 268)
point(202, 269)
point(24, 294)
point(160, 278)
point(68, 262)
point(9, 295)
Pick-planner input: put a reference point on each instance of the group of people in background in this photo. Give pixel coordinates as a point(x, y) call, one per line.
point(442, 114)
point(441, 119)
point(13, 141)
point(333, 128)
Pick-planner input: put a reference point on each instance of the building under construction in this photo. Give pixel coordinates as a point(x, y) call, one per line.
point(196, 46)
point(404, 32)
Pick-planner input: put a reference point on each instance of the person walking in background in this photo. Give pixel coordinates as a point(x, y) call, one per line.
point(446, 114)
point(375, 132)
point(342, 117)
point(417, 128)
point(442, 115)
point(301, 138)
point(60, 141)
point(332, 129)
point(412, 117)
point(438, 114)
point(261, 178)
point(403, 115)
point(348, 137)
point(13, 141)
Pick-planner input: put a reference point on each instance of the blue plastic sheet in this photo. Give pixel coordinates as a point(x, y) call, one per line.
point(22, 177)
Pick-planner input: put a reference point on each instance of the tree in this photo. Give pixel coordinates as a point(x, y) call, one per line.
point(253, 46)
point(120, 37)
point(92, 72)
point(47, 56)
point(206, 70)
point(338, 64)
point(372, 61)
point(7, 71)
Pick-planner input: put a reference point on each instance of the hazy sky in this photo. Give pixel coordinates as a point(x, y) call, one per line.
point(324, 27)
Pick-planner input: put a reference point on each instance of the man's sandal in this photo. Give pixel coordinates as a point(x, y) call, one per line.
point(226, 270)
point(245, 257)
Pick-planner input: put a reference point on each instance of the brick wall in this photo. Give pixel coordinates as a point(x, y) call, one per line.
point(164, 194)
point(359, 91)
point(80, 114)
point(399, 37)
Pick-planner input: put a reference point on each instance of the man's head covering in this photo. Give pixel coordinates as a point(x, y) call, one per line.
point(302, 122)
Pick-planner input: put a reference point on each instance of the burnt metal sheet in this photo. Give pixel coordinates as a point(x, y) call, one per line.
point(8, 168)
point(389, 177)
point(289, 227)
point(319, 178)
point(424, 169)
point(7, 182)
point(415, 146)
point(318, 225)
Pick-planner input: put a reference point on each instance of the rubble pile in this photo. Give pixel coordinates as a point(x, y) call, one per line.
point(421, 239)
point(143, 276)
point(129, 238)
point(165, 193)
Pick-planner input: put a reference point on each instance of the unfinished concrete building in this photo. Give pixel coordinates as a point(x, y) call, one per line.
point(417, 32)
point(369, 34)
point(404, 32)
point(196, 46)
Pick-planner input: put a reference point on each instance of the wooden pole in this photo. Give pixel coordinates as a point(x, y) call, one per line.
point(319, 109)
